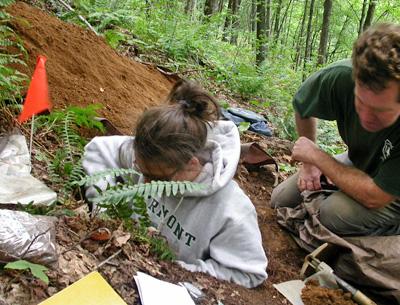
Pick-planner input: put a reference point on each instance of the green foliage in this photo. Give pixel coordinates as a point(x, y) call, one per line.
point(223, 104)
point(81, 117)
point(86, 116)
point(35, 209)
point(65, 166)
point(287, 168)
point(114, 38)
point(126, 173)
point(11, 80)
point(329, 139)
point(36, 269)
point(243, 126)
point(159, 247)
point(127, 192)
point(4, 3)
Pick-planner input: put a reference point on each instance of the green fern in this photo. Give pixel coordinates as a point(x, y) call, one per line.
point(127, 193)
point(78, 116)
point(113, 173)
point(69, 137)
point(65, 167)
point(4, 3)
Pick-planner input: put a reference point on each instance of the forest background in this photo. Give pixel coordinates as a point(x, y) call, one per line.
point(258, 50)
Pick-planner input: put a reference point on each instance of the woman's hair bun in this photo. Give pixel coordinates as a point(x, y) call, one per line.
point(194, 100)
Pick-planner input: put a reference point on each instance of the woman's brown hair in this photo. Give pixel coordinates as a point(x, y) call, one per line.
point(174, 133)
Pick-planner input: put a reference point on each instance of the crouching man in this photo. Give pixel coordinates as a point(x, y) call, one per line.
point(363, 97)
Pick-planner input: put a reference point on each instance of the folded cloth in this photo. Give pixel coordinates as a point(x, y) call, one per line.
point(240, 115)
point(231, 117)
point(262, 128)
point(248, 115)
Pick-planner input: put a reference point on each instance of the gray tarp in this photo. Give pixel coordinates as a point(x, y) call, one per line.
point(16, 183)
point(23, 236)
point(29, 237)
point(372, 261)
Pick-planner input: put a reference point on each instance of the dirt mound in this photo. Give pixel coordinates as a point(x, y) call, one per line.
point(82, 69)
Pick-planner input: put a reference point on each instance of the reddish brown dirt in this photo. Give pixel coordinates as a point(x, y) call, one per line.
point(313, 294)
point(82, 69)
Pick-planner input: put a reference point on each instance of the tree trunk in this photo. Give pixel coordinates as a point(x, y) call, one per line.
point(307, 49)
point(210, 7)
point(189, 7)
point(253, 16)
point(277, 20)
point(289, 22)
point(284, 17)
point(370, 14)
point(261, 29)
point(235, 21)
point(228, 21)
point(221, 5)
point(268, 19)
point(301, 37)
point(360, 26)
point(323, 41)
point(338, 41)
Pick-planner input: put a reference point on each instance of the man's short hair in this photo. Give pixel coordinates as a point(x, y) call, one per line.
point(376, 56)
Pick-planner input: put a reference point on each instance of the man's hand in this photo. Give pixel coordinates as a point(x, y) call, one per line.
point(309, 178)
point(305, 150)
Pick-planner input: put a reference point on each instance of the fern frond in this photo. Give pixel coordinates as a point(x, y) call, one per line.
point(6, 59)
point(126, 193)
point(4, 43)
point(114, 172)
point(68, 135)
point(77, 172)
point(4, 3)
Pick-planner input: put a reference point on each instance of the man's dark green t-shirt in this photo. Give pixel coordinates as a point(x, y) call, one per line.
point(329, 94)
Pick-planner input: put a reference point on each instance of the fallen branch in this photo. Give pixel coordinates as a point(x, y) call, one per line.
point(108, 259)
point(33, 240)
point(66, 5)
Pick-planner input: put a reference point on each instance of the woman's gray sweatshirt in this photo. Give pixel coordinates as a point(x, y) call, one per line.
point(214, 230)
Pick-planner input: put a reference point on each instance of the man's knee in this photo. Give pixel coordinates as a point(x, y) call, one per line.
point(275, 197)
point(340, 214)
point(286, 194)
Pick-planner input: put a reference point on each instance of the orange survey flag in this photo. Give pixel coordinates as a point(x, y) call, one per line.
point(37, 98)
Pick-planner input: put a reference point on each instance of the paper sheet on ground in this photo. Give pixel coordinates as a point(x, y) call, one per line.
point(153, 291)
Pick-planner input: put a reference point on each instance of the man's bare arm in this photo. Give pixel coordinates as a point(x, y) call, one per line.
point(309, 175)
point(306, 127)
point(349, 180)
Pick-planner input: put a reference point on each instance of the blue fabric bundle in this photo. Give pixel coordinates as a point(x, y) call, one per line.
point(257, 122)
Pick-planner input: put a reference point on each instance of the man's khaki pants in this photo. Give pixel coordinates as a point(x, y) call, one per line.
point(341, 214)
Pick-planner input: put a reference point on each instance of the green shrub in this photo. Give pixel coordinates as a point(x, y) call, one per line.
point(12, 52)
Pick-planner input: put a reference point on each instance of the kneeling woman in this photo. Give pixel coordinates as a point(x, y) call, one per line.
point(213, 230)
